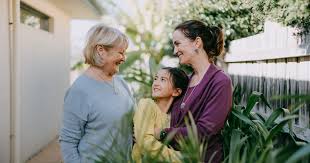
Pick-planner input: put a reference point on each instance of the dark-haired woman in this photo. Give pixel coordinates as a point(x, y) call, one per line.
point(209, 94)
point(169, 84)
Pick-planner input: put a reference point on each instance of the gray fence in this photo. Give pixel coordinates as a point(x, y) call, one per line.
point(276, 63)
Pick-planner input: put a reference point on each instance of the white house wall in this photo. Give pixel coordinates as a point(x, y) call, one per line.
point(4, 83)
point(44, 77)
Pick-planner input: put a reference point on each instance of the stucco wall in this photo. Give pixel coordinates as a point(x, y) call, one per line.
point(43, 59)
point(4, 84)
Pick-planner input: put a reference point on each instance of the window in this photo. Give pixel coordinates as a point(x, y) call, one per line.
point(34, 18)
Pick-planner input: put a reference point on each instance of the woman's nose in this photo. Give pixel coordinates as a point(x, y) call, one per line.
point(175, 51)
point(123, 57)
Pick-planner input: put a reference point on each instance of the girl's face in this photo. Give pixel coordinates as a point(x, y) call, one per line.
point(162, 85)
point(184, 48)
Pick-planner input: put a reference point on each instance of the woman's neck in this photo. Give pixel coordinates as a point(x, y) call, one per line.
point(164, 103)
point(100, 73)
point(200, 66)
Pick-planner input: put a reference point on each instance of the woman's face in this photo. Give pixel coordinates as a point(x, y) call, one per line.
point(112, 58)
point(162, 85)
point(184, 48)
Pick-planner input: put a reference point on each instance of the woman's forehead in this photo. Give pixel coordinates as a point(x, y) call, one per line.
point(120, 48)
point(178, 36)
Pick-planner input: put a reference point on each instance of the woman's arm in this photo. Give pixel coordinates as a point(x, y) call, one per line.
point(214, 113)
point(74, 120)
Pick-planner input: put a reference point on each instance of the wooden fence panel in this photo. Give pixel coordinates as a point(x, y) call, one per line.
point(276, 77)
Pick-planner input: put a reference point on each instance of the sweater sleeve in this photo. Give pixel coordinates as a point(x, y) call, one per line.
point(214, 113)
point(74, 121)
point(144, 124)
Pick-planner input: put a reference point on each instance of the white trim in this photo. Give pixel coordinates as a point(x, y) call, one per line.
point(12, 41)
point(274, 43)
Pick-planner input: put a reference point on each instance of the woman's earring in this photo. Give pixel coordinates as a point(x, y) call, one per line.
point(196, 50)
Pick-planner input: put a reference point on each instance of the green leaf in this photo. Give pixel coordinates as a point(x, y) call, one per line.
point(282, 154)
point(259, 117)
point(274, 115)
point(254, 98)
point(78, 66)
point(300, 154)
point(263, 156)
point(261, 128)
point(305, 98)
point(237, 94)
point(279, 127)
point(235, 138)
point(243, 117)
point(236, 143)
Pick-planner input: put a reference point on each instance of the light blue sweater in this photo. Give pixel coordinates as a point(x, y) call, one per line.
point(92, 113)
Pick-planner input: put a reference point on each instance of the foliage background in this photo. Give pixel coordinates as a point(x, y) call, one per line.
point(150, 25)
point(248, 136)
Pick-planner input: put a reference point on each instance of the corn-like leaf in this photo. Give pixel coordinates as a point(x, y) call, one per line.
point(254, 98)
point(243, 117)
point(261, 128)
point(235, 138)
point(300, 154)
point(274, 115)
point(279, 127)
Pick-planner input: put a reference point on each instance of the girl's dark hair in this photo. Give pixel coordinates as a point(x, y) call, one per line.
point(211, 36)
point(179, 78)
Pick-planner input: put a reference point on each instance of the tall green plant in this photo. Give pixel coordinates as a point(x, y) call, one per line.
point(251, 137)
point(248, 137)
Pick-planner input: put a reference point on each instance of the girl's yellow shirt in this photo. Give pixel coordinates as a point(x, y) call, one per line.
point(147, 117)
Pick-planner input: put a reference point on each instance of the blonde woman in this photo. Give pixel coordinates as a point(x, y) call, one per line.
point(97, 100)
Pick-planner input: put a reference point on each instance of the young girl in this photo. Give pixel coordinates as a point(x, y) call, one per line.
point(169, 83)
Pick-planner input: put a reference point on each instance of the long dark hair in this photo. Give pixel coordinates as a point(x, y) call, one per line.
point(179, 78)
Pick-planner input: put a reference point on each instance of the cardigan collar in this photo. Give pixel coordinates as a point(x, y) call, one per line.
point(209, 74)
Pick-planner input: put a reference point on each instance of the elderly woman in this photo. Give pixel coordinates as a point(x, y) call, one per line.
point(97, 100)
point(209, 95)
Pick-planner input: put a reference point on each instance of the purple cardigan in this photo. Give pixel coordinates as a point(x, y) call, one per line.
point(210, 103)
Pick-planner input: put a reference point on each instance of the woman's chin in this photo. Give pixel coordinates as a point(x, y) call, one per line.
point(115, 70)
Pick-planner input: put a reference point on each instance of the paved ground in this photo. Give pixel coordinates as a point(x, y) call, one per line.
point(50, 154)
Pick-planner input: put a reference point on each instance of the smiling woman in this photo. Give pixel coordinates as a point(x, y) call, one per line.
point(209, 94)
point(97, 100)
